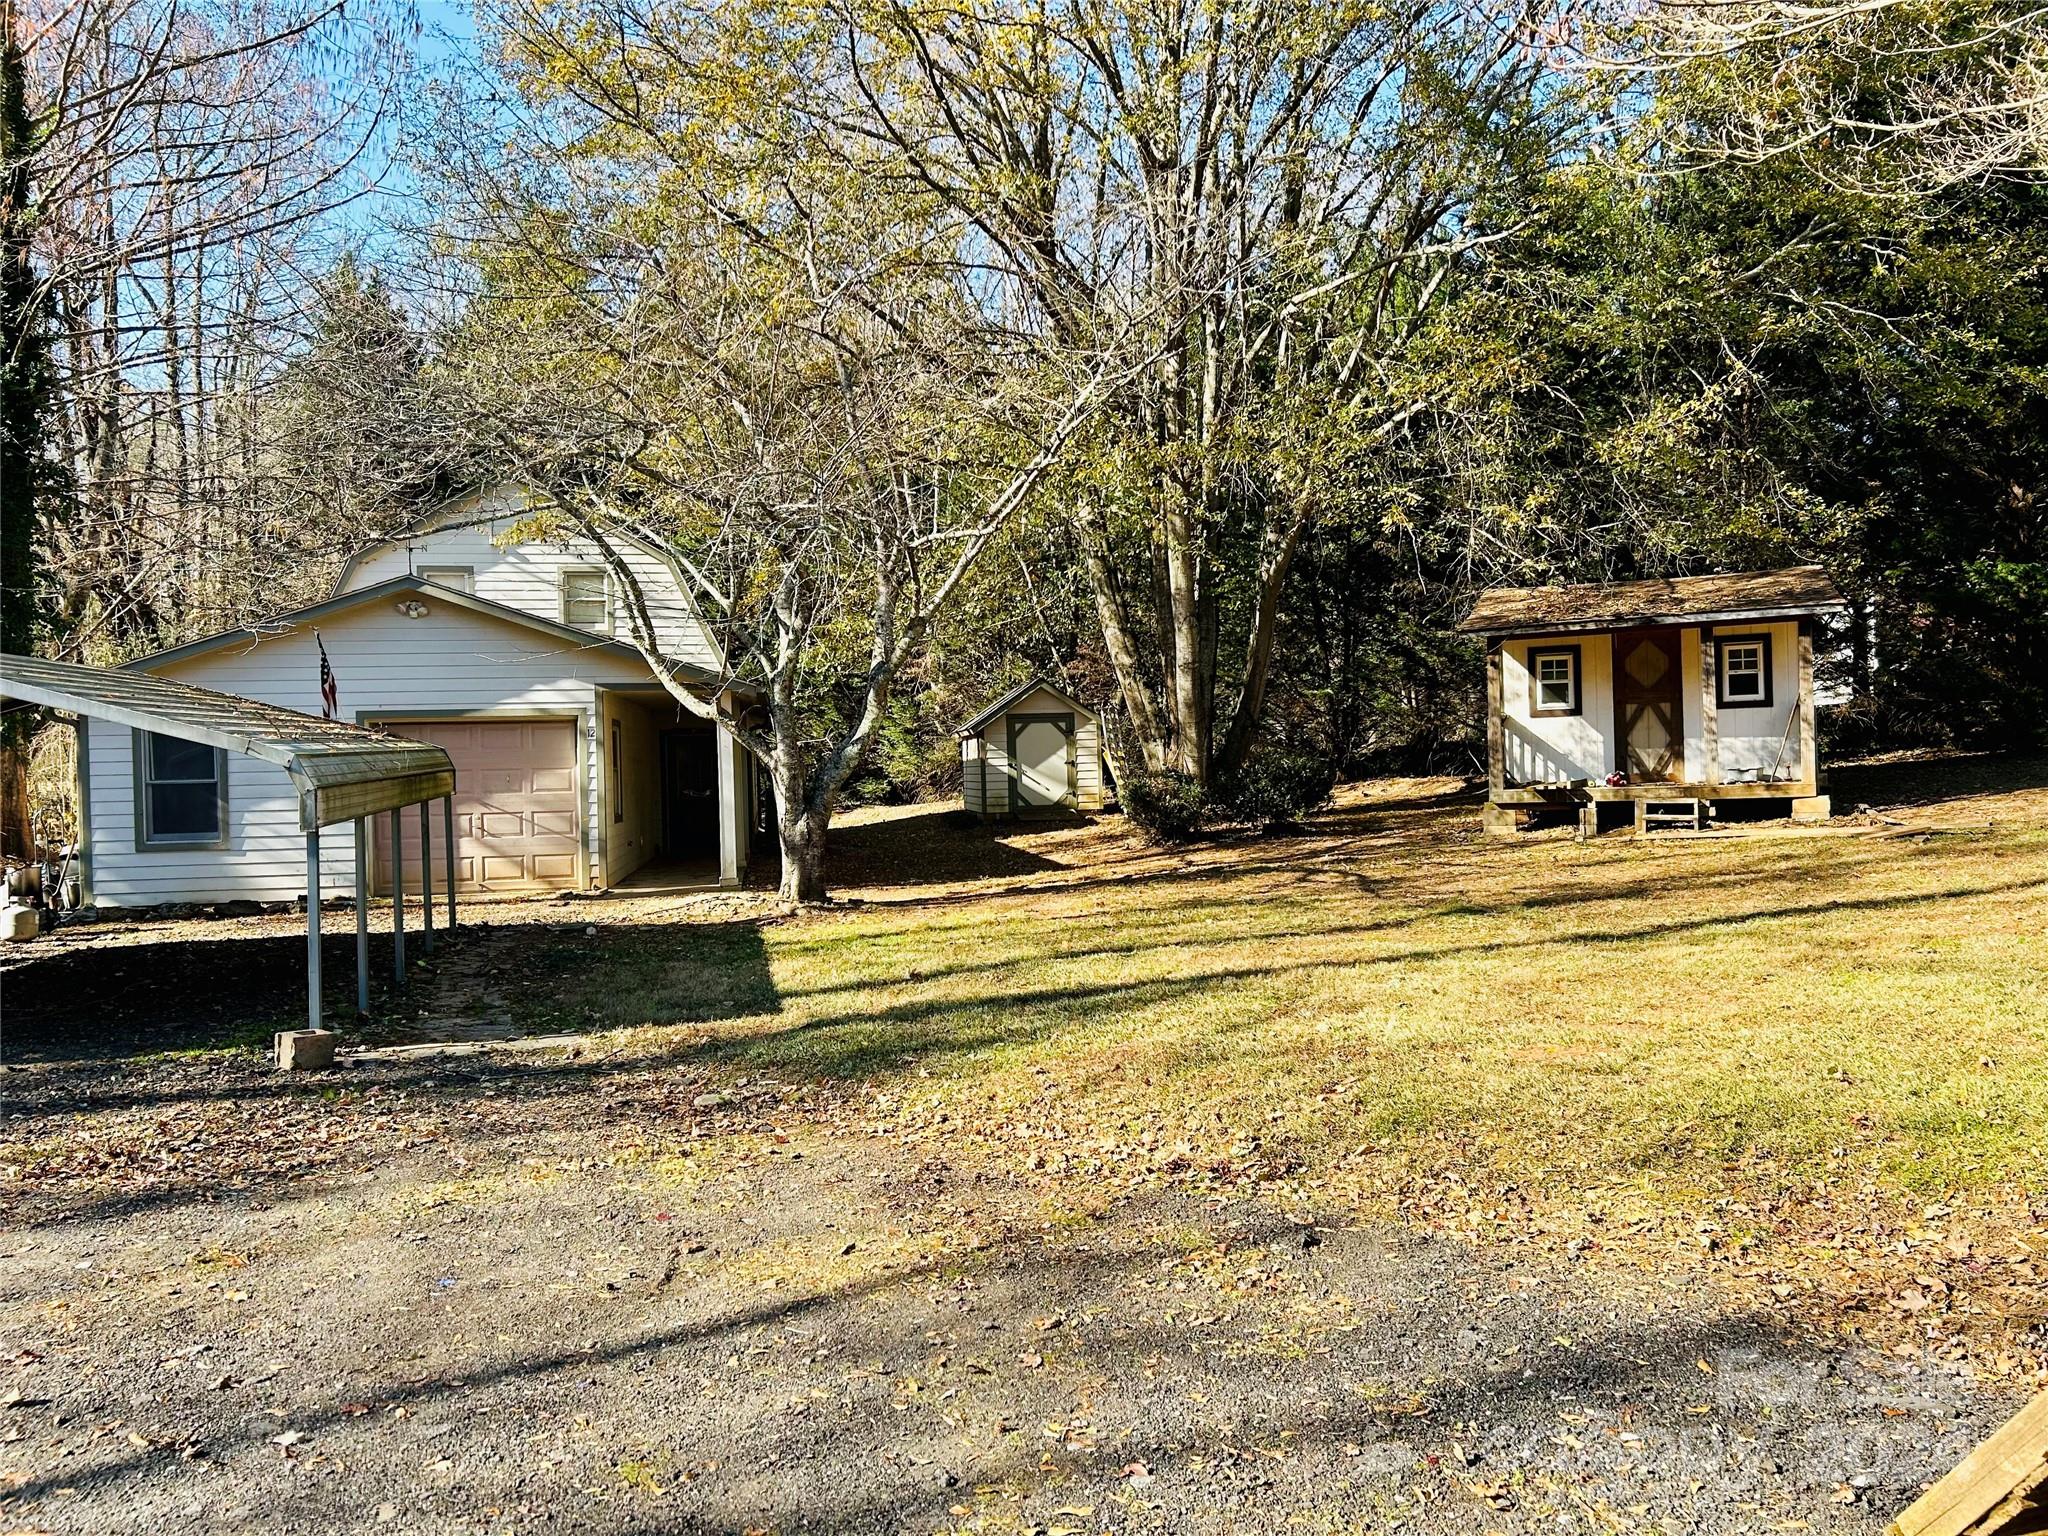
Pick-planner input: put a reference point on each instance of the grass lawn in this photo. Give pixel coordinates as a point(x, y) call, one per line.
point(1383, 1177)
point(1808, 1037)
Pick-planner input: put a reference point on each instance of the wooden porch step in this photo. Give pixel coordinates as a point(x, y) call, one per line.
point(1671, 813)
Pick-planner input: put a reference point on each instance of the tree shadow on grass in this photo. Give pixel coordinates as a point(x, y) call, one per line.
point(81, 1002)
point(935, 845)
point(1933, 781)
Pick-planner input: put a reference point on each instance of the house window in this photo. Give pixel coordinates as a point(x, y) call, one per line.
point(1554, 680)
point(462, 578)
point(618, 778)
point(1743, 673)
point(586, 599)
point(181, 793)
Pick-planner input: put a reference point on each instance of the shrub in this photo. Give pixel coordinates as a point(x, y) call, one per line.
point(1168, 805)
point(1278, 788)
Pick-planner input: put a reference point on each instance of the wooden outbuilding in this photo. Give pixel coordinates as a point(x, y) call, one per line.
point(1667, 695)
point(1034, 750)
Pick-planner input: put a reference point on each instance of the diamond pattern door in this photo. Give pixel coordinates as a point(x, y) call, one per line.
point(1647, 705)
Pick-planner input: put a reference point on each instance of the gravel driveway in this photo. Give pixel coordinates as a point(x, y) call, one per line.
point(554, 1292)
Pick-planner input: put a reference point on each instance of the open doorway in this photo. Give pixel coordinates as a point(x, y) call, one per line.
point(661, 795)
point(689, 795)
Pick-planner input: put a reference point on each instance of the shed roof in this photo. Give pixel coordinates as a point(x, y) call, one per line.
point(1795, 592)
point(974, 726)
point(342, 771)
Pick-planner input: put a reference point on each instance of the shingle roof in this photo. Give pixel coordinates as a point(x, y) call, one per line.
point(341, 770)
point(1792, 593)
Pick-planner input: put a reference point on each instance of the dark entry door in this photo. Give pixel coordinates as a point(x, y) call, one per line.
point(689, 794)
point(1650, 718)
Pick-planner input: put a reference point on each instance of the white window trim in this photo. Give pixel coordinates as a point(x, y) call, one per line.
point(603, 626)
point(435, 573)
point(148, 842)
point(1724, 696)
point(1569, 655)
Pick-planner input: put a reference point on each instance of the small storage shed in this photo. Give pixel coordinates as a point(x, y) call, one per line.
point(1035, 749)
point(1667, 694)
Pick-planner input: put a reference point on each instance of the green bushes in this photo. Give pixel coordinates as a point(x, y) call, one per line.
point(1168, 805)
point(1278, 788)
point(1275, 791)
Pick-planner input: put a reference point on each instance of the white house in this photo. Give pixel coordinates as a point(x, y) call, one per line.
point(1690, 689)
point(1033, 749)
point(575, 768)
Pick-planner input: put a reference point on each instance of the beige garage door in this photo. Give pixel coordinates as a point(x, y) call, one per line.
point(517, 823)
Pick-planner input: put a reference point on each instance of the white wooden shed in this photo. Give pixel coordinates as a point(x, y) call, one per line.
point(1035, 749)
point(1669, 694)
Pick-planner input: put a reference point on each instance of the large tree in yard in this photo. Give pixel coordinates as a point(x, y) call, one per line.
point(758, 368)
point(1254, 207)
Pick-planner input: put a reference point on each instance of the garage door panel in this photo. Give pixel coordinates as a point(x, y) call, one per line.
point(518, 821)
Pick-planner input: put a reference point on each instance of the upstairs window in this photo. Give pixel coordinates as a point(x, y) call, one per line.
point(1744, 670)
point(1554, 680)
point(181, 793)
point(458, 578)
point(587, 600)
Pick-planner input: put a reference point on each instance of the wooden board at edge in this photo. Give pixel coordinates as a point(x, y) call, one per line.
point(1993, 1480)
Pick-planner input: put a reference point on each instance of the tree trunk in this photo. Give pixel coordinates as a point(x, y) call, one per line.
point(24, 410)
point(1274, 562)
point(1110, 611)
point(802, 837)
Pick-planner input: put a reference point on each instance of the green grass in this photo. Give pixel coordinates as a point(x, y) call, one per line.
point(1807, 1006)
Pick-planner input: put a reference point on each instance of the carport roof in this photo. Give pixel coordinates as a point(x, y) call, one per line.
point(342, 771)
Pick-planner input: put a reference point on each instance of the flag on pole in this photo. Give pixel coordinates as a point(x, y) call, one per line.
point(330, 700)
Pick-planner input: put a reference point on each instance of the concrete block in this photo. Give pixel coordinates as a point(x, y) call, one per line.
point(304, 1050)
point(1811, 808)
point(1499, 819)
point(20, 923)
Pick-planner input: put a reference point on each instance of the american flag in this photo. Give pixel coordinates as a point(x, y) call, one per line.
point(330, 701)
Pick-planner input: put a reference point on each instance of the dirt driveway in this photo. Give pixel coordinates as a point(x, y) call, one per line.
point(555, 1292)
point(639, 1285)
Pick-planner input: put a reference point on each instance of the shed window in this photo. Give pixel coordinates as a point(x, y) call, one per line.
point(1744, 673)
point(183, 792)
point(460, 578)
point(1554, 680)
point(586, 599)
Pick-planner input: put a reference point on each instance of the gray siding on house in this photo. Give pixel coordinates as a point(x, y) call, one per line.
point(529, 576)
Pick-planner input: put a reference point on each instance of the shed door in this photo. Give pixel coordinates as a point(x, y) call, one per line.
point(1646, 677)
point(1042, 752)
point(518, 824)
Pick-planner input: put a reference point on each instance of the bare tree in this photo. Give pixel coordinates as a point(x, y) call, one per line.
point(797, 409)
point(187, 164)
point(1900, 98)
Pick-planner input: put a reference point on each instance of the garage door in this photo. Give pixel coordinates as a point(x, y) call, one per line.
point(518, 826)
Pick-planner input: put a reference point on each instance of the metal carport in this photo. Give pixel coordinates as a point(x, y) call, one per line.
point(342, 772)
